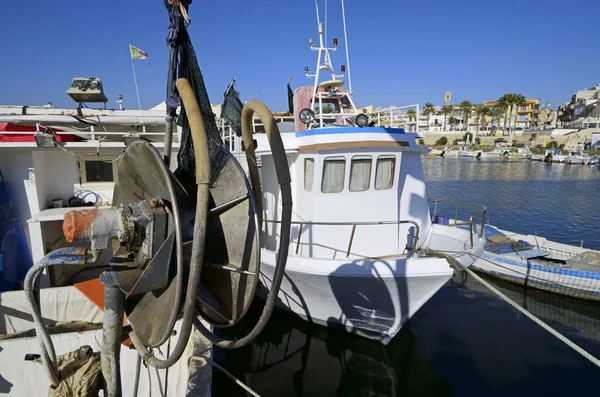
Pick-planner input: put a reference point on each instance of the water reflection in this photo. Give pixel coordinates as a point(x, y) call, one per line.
point(296, 358)
point(571, 317)
point(464, 341)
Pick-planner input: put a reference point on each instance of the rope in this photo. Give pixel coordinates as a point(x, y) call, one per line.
point(456, 264)
point(228, 374)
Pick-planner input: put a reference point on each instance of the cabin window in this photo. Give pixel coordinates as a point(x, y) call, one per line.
point(334, 172)
point(309, 173)
point(98, 171)
point(360, 174)
point(94, 170)
point(384, 175)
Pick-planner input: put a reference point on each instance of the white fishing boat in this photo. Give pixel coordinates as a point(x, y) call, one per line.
point(536, 262)
point(576, 157)
point(361, 215)
point(480, 154)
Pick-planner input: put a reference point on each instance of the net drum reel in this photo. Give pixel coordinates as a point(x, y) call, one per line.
point(173, 254)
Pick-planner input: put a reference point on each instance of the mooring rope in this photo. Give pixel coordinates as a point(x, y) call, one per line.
point(228, 374)
point(456, 264)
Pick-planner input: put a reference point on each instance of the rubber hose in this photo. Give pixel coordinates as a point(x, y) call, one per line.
point(48, 355)
point(72, 256)
point(284, 180)
point(201, 154)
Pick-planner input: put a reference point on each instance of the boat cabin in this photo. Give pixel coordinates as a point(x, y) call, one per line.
point(358, 192)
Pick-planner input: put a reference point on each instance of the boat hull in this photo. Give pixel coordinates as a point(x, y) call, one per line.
point(564, 281)
point(371, 298)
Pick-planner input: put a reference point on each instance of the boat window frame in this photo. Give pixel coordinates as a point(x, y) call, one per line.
point(81, 162)
point(333, 158)
point(361, 157)
point(392, 177)
point(306, 159)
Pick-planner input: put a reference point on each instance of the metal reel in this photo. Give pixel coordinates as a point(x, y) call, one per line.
point(232, 254)
point(143, 175)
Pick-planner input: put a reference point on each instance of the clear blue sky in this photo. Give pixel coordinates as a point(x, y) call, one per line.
point(402, 52)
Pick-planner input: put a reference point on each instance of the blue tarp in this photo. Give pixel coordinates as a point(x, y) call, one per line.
point(15, 258)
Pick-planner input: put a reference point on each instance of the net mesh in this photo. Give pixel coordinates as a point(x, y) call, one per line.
point(186, 167)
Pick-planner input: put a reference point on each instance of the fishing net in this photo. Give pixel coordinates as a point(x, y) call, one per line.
point(184, 64)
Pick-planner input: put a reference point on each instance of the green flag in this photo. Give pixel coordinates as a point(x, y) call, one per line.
point(136, 53)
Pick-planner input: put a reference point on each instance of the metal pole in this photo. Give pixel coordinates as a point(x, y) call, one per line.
point(137, 92)
point(168, 141)
point(351, 240)
point(299, 238)
point(346, 42)
point(114, 300)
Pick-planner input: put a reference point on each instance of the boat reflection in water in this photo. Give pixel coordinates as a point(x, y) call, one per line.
point(463, 341)
point(295, 358)
point(571, 317)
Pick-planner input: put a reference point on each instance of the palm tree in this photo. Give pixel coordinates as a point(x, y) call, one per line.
point(446, 111)
point(466, 107)
point(411, 115)
point(505, 102)
point(453, 121)
point(518, 100)
point(497, 111)
point(480, 110)
point(428, 110)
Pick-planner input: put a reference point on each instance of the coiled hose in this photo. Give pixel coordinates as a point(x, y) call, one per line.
point(201, 154)
point(203, 180)
point(284, 180)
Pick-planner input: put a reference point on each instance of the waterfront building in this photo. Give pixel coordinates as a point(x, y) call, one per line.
point(583, 104)
point(523, 117)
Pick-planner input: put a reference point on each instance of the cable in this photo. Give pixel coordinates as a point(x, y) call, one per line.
point(531, 316)
point(227, 373)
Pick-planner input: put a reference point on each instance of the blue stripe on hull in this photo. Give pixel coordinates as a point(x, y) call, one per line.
point(553, 270)
point(350, 130)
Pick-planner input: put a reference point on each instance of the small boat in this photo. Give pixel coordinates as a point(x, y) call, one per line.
point(479, 154)
point(536, 262)
point(581, 158)
point(550, 156)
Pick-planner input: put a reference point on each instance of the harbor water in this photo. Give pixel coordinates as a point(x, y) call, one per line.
point(464, 341)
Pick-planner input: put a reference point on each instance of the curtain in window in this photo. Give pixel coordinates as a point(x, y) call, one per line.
point(309, 171)
point(360, 173)
point(384, 176)
point(333, 176)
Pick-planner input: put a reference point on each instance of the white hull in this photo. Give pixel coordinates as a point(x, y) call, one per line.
point(371, 298)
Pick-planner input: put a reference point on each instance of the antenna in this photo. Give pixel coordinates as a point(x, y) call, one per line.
point(346, 42)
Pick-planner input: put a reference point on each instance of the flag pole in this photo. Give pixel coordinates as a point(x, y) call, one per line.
point(135, 79)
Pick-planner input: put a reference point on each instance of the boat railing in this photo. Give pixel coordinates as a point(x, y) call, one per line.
point(397, 117)
point(354, 225)
point(97, 132)
point(476, 214)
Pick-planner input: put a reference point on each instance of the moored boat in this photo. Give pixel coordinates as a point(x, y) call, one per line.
point(361, 217)
point(536, 262)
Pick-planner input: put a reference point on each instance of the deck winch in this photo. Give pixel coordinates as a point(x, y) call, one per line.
point(171, 253)
point(175, 246)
